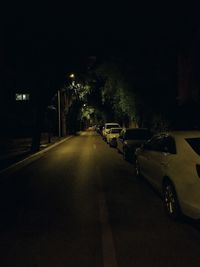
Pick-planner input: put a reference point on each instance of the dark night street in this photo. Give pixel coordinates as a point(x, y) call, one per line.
point(81, 205)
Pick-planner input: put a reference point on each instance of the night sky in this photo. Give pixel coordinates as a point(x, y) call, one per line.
point(56, 39)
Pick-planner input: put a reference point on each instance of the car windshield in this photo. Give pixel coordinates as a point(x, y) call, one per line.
point(111, 126)
point(116, 130)
point(195, 144)
point(137, 134)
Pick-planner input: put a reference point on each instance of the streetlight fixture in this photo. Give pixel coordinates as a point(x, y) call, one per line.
point(72, 75)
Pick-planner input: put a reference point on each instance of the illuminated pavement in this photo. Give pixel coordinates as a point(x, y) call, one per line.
point(80, 205)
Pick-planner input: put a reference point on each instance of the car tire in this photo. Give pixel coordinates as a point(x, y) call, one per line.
point(114, 144)
point(170, 201)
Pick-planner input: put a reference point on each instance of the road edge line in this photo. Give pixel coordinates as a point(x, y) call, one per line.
point(3, 171)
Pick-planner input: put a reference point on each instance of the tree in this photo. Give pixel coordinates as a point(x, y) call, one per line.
point(117, 92)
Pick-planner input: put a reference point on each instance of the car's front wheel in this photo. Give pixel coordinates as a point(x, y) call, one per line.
point(170, 201)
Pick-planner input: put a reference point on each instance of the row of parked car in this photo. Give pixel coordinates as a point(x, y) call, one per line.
point(170, 161)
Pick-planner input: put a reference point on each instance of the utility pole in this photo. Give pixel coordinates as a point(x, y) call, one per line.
point(59, 115)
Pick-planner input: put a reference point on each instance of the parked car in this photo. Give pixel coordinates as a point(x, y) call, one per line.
point(171, 163)
point(99, 128)
point(130, 139)
point(112, 136)
point(107, 127)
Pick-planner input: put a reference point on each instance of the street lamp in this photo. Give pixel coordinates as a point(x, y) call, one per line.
point(59, 114)
point(72, 75)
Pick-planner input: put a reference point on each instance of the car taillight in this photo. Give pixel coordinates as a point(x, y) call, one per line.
point(198, 169)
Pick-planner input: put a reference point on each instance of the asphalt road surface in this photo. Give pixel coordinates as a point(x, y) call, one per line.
point(80, 205)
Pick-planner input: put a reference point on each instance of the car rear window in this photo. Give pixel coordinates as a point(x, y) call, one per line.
point(137, 134)
point(116, 130)
point(194, 143)
point(112, 126)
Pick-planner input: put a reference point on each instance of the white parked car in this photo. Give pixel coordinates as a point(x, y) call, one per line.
point(112, 136)
point(171, 163)
point(107, 127)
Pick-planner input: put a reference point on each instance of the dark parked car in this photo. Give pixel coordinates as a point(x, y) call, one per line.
point(99, 128)
point(130, 139)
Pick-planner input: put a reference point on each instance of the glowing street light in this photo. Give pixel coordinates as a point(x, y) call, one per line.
point(72, 75)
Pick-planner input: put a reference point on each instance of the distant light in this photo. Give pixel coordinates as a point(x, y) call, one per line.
point(72, 75)
point(22, 97)
point(84, 105)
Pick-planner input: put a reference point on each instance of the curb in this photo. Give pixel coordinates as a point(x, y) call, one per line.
point(31, 158)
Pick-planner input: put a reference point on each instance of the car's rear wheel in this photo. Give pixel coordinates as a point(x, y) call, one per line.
point(170, 201)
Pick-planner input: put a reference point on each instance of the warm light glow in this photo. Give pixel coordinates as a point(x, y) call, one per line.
point(72, 75)
point(21, 97)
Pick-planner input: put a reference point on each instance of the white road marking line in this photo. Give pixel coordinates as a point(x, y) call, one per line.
point(109, 255)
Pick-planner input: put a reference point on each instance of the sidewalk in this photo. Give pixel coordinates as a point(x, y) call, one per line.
point(14, 150)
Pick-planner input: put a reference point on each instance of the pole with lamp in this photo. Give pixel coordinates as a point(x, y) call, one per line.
point(59, 114)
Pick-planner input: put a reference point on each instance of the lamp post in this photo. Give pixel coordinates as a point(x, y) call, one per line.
point(59, 114)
